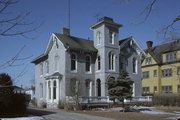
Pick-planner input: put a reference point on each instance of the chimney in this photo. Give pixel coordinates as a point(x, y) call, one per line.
point(66, 31)
point(149, 44)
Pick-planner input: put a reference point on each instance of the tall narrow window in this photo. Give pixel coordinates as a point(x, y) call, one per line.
point(56, 62)
point(88, 63)
point(112, 37)
point(134, 63)
point(98, 37)
point(49, 89)
point(99, 62)
point(54, 90)
point(47, 66)
point(41, 68)
point(73, 62)
point(88, 88)
point(148, 61)
point(111, 57)
point(155, 73)
point(41, 90)
point(98, 87)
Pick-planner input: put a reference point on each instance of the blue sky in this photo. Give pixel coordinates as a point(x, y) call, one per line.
point(54, 15)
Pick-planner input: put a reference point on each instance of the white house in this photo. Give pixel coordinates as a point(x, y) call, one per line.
point(70, 61)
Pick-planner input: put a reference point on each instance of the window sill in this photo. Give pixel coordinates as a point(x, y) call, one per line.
point(112, 70)
point(73, 71)
point(88, 72)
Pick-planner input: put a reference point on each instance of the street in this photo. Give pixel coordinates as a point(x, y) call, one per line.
point(48, 114)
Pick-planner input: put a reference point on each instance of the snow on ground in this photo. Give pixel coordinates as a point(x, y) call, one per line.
point(153, 110)
point(24, 118)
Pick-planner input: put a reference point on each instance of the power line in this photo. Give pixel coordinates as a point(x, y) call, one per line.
point(69, 15)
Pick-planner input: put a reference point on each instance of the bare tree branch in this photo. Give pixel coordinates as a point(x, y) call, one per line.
point(170, 32)
point(17, 25)
point(12, 62)
point(147, 11)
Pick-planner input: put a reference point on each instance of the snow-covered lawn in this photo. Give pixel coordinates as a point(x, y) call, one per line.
point(153, 110)
point(24, 118)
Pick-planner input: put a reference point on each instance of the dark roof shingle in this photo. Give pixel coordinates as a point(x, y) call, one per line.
point(76, 43)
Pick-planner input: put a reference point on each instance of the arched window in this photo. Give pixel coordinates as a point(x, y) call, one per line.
point(56, 62)
point(98, 83)
point(73, 62)
point(49, 89)
point(88, 63)
point(134, 63)
point(54, 89)
point(99, 63)
point(98, 37)
point(112, 37)
point(111, 57)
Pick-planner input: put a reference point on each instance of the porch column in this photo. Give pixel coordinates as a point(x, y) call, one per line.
point(90, 88)
point(58, 88)
point(133, 90)
point(51, 90)
point(47, 92)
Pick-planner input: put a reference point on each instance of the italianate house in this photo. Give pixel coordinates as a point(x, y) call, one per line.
point(69, 62)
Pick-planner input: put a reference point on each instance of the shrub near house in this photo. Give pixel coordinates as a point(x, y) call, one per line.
point(11, 104)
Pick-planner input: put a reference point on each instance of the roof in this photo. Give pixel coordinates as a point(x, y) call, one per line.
point(40, 58)
point(76, 43)
point(123, 40)
point(157, 51)
point(106, 20)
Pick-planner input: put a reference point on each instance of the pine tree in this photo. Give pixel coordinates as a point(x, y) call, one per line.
point(121, 88)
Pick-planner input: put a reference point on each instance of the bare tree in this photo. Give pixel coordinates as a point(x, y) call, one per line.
point(15, 24)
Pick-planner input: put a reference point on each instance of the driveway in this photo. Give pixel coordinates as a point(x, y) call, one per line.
point(62, 115)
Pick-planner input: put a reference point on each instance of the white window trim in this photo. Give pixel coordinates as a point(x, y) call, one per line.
point(90, 69)
point(97, 63)
point(98, 37)
point(112, 66)
point(136, 66)
point(74, 71)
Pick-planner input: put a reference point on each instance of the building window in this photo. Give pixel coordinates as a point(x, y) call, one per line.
point(166, 72)
point(112, 37)
point(41, 68)
point(56, 62)
point(111, 57)
point(54, 89)
point(49, 89)
point(88, 88)
point(41, 90)
point(155, 89)
point(73, 62)
point(98, 37)
point(98, 83)
point(146, 74)
point(99, 63)
point(88, 63)
point(171, 56)
point(47, 66)
point(145, 90)
point(148, 61)
point(134, 63)
point(155, 73)
point(178, 88)
point(178, 70)
point(167, 89)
